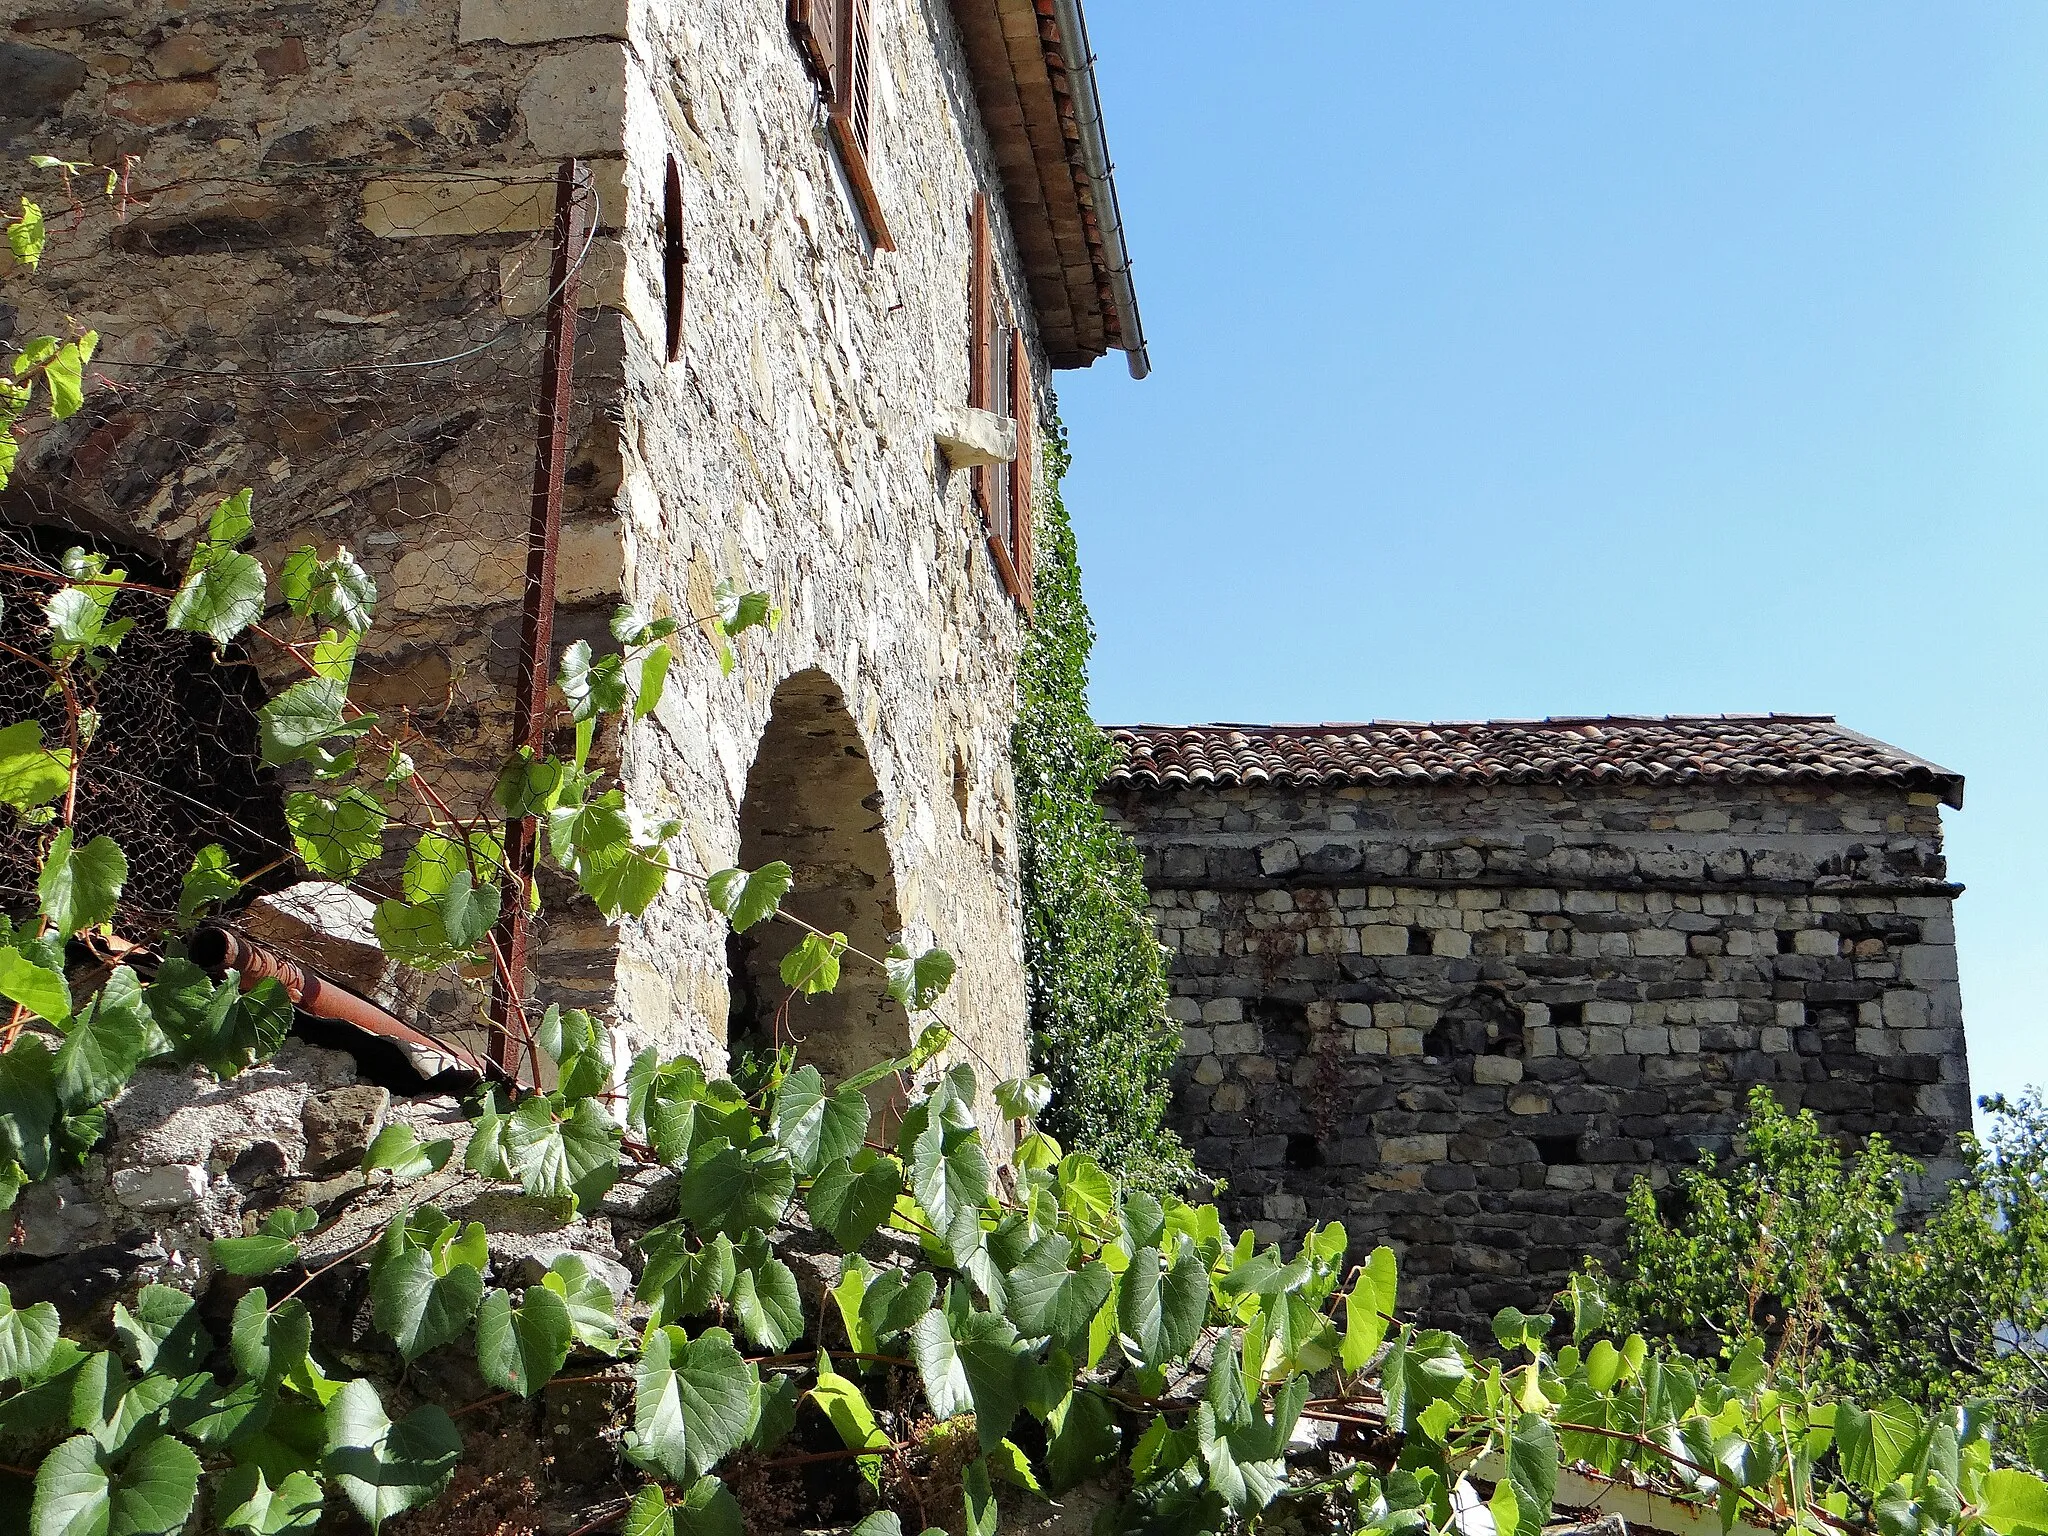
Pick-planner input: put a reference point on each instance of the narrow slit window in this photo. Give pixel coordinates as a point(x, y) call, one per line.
point(673, 257)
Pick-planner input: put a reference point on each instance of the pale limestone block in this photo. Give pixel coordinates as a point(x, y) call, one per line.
point(1774, 1042)
point(1383, 939)
point(1236, 1039)
point(1451, 942)
point(1604, 1040)
point(1229, 1098)
point(576, 103)
point(1368, 1042)
point(1647, 1040)
point(1208, 1071)
point(1791, 1015)
point(1535, 1015)
point(1222, 1010)
point(1928, 962)
point(542, 21)
point(1542, 1041)
point(1390, 1015)
point(1257, 1069)
point(1659, 942)
point(1197, 1042)
point(1873, 1042)
point(164, 1187)
point(1905, 1009)
point(969, 436)
point(1717, 1010)
point(1604, 1011)
point(1414, 1149)
point(1404, 1042)
point(1573, 1041)
point(1496, 1069)
point(1527, 1100)
point(1356, 1015)
point(417, 206)
point(1815, 941)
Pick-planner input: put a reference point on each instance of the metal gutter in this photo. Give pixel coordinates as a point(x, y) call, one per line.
point(216, 948)
point(1095, 160)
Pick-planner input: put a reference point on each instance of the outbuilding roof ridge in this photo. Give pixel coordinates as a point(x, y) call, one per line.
point(1559, 749)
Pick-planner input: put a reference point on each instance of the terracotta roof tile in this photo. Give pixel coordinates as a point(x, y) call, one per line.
point(1608, 749)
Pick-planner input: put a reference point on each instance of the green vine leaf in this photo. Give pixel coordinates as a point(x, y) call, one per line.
point(269, 1343)
point(1025, 1098)
point(210, 881)
point(918, 981)
point(813, 966)
point(247, 1502)
point(815, 1126)
point(420, 1307)
point(1369, 1307)
point(221, 595)
point(562, 1153)
point(399, 1150)
point(336, 839)
point(521, 1348)
point(163, 1334)
point(220, 1025)
point(969, 1362)
point(747, 899)
point(150, 1492)
point(40, 989)
point(28, 1103)
point(850, 1198)
point(80, 887)
point(296, 725)
point(337, 591)
point(105, 1044)
point(727, 1190)
point(694, 1400)
point(31, 774)
point(1049, 1299)
point(591, 1306)
point(28, 1337)
point(384, 1468)
point(846, 1406)
point(764, 1298)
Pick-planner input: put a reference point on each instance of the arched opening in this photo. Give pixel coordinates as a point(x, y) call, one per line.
point(812, 802)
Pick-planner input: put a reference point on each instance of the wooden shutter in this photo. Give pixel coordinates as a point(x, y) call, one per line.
point(980, 307)
point(851, 98)
point(817, 24)
point(1024, 408)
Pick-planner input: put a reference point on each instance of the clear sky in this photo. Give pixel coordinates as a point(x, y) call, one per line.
point(1520, 360)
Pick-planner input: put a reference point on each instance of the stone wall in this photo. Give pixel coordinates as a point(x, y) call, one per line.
point(332, 292)
point(1462, 1019)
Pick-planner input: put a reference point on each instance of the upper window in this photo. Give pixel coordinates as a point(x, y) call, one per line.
point(837, 40)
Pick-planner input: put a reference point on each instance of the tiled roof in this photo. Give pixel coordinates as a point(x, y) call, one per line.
point(1609, 749)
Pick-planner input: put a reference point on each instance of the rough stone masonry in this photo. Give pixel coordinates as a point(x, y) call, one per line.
point(329, 285)
point(1457, 986)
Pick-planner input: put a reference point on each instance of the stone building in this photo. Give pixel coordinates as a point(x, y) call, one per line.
point(838, 247)
point(1458, 985)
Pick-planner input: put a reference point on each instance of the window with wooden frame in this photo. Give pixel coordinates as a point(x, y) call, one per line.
point(837, 39)
point(999, 381)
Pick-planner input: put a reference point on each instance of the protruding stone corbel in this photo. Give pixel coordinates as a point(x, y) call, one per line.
point(969, 436)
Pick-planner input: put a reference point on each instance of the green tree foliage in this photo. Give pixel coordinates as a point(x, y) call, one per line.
point(1100, 1031)
point(1803, 1247)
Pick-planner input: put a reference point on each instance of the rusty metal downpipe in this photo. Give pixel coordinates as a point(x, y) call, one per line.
point(217, 948)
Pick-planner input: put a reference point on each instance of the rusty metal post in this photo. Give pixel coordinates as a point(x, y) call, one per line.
point(573, 197)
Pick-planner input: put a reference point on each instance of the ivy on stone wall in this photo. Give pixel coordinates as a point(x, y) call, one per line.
point(1098, 986)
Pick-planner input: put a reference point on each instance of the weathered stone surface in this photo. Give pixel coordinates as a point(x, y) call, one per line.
point(340, 1124)
point(181, 55)
point(160, 1187)
point(543, 21)
point(575, 103)
point(153, 103)
point(37, 80)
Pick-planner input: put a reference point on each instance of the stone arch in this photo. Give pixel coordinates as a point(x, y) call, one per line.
point(812, 802)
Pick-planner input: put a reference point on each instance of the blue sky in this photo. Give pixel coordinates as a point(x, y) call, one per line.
point(1523, 360)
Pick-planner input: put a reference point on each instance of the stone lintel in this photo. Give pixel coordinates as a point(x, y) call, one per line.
point(543, 21)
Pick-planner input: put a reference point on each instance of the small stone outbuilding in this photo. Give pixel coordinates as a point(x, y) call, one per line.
point(1458, 985)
